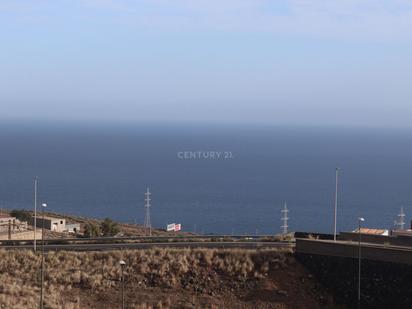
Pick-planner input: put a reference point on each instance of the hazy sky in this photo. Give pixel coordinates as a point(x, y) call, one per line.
point(345, 62)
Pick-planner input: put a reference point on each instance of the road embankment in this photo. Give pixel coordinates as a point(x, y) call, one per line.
point(160, 278)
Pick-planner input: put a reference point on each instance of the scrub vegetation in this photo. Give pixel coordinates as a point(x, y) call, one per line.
point(158, 278)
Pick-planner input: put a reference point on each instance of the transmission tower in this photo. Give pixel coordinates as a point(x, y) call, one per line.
point(147, 223)
point(401, 217)
point(285, 219)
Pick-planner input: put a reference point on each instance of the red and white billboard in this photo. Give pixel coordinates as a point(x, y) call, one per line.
point(174, 227)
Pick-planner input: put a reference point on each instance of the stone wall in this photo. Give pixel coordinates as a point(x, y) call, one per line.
point(27, 235)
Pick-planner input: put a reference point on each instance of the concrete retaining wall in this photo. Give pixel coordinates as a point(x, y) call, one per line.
point(383, 285)
point(351, 250)
point(386, 272)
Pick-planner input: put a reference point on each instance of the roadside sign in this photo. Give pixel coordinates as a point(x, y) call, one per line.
point(171, 227)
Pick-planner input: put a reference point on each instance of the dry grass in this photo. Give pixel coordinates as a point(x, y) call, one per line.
point(95, 274)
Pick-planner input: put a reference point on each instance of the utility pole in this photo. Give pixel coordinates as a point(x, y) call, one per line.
point(44, 205)
point(285, 219)
point(336, 203)
point(359, 261)
point(35, 212)
point(147, 223)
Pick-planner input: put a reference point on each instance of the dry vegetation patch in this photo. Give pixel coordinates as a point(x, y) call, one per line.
point(154, 278)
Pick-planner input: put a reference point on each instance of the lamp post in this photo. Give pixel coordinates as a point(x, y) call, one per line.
point(44, 205)
point(35, 212)
point(122, 265)
point(335, 213)
point(359, 261)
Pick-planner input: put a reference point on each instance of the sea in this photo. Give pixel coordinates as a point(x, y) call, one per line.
point(221, 179)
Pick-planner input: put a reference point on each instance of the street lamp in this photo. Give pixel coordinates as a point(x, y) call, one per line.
point(122, 265)
point(35, 212)
point(43, 206)
point(359, 260)
point(335, 213)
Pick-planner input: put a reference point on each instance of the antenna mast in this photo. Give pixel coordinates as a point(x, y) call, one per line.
point(147, 223)
point(285, 219)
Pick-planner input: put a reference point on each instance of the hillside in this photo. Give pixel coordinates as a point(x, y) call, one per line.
point(160, 278)
point(125, 229)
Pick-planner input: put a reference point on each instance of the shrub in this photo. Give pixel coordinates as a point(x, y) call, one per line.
point(109, 227)
point(91, 230)
point(21, 214)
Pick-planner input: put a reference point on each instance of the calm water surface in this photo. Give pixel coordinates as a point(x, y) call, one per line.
point(103, 171)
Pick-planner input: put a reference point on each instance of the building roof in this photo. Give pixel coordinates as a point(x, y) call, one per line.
point(369, 231)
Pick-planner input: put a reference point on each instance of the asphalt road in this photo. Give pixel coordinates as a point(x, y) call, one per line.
point(124, 246)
